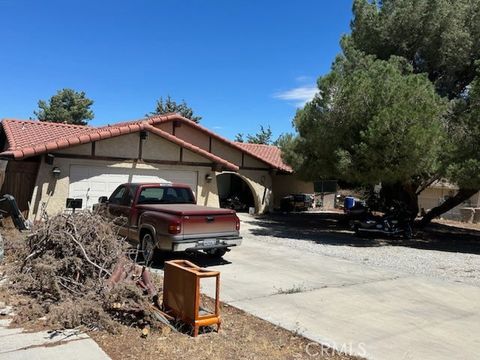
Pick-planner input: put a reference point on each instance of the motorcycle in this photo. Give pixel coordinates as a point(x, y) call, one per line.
point(234, 203)
point(397, 221)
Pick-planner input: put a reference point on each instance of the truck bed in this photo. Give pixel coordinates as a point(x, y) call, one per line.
point(186, 209)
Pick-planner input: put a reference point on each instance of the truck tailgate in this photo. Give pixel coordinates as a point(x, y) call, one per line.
point(209, 224)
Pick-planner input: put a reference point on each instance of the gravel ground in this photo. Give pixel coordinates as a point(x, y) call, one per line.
point(324, 236)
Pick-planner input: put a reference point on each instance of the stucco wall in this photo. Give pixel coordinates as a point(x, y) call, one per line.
point(249, 161)
point(260, 183)
point(190, 156)
point(226, 152)
point(52, 193)
point(84, 149)
point(193, 136)
point(166, 126)
point(219, 148)
point(289, 184)
point(125, 146)
point(434, 196)
point(157, 148)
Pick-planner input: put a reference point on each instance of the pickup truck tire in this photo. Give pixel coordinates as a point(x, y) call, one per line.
point(216, 252)
point(148, 247)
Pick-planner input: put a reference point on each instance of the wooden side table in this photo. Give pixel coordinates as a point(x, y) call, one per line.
point(181, 294)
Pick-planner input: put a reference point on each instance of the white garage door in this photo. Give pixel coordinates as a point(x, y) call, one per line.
point(91, 182)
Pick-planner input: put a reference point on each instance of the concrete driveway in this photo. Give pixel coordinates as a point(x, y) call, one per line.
point(374, 311)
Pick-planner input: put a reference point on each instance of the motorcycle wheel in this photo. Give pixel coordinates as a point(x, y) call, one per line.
point(356, 230)
point(408, 232)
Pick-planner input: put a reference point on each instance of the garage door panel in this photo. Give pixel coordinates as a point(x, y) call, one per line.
point(91, 182)
point(148, 178)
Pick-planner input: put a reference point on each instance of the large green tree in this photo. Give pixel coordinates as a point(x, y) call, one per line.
point(434, 46)
point(372, 121)
point(168, 105)
point(66, 106)
point(442, 39)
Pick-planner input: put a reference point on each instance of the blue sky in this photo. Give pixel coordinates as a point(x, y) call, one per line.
point(238, 64)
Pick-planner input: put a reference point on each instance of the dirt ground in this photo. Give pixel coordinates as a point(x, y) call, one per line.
point(242, 336)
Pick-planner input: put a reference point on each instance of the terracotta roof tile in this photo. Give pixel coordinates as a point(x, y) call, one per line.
point(27, 138)
point(271, 154)
point(22, 133)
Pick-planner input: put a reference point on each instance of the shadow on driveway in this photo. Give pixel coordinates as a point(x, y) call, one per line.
point(331, 229)
point(198, 258)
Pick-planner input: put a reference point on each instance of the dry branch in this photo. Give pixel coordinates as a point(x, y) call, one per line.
point(64, 265)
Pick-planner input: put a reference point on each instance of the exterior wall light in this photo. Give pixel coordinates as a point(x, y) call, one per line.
point(208, 178)
point(56, 172)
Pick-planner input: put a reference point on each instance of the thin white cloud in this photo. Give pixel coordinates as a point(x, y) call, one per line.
point(303, 79)
point(299, 95)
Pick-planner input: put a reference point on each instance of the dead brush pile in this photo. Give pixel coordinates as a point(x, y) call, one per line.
point(64, 267)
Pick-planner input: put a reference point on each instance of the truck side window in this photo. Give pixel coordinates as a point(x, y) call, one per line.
point(118, 195)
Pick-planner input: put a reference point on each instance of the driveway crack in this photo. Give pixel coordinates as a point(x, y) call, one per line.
point(311, 289)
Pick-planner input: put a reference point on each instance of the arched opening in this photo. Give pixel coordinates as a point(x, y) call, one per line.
point(234, 192)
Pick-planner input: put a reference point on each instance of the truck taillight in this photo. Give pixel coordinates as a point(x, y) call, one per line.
point(237, 223)
point(174, 228)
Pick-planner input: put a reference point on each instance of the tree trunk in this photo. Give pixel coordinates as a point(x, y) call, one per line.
point(450, 203)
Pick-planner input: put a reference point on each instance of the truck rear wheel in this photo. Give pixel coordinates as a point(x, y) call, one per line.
point(216, 252)
point(148, 247)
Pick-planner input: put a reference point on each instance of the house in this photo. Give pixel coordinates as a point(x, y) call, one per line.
point(441, 190)
point(44, 163)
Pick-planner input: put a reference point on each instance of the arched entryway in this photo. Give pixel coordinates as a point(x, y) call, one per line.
point(234, 192)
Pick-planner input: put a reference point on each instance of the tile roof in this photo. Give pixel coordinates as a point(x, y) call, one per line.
point(270, 153)
point(273, 155)
point(27, 138)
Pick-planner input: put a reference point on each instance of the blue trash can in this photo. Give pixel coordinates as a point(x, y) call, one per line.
point(349, 203)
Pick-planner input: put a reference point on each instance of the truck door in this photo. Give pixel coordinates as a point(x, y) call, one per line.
point(119, 208)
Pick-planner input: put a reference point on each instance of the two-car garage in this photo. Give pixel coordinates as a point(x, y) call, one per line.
point(91, 182)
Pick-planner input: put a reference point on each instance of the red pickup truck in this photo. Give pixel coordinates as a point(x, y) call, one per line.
point(165, 216)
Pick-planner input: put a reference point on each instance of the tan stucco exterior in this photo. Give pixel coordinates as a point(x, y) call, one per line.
point(157, 148)
point(156, 153)
point(192, 136)
point(435, 195)
point(260, 181)
point(51, 193)
point(126, 146)
point(284, 185)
